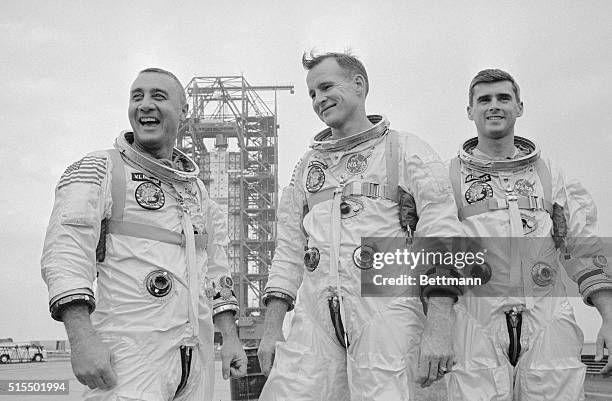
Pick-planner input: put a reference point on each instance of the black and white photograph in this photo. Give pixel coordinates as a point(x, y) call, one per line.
point(315, 201)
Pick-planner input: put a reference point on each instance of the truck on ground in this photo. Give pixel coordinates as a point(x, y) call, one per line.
point(21, 352)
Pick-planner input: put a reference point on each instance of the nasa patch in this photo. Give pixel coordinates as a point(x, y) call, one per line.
point(523, 187)
point(150, 196)
point(478, 191)
point(357, 163)
point(315, 178)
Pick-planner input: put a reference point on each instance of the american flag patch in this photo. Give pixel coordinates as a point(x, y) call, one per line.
point(89, 170)
point(295, 169)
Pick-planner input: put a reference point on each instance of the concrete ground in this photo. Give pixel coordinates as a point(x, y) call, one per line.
point(597, 388)
point(61, 370)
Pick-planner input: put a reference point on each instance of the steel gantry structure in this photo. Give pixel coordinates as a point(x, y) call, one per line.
point(231, 132)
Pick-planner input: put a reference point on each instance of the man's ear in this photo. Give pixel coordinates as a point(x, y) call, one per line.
point(470, 114)
point(360, 84)
point(184, 111)
point(520, 109)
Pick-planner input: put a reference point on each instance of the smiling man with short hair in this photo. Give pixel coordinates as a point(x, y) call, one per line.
point(137, 220)
point(516, 336)
point(343, 346)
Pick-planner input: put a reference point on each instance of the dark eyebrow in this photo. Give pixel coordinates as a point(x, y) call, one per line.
point(324, 83)
point(140, 90)
point(483, 97)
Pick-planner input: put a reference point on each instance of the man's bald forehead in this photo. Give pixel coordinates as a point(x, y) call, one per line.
point(179, 86)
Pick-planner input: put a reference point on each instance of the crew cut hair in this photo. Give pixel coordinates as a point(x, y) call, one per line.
point(171, 75)
point(492, 75)
point(345, 60)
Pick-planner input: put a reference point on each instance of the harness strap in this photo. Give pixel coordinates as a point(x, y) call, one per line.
point(546, 179)
point(153, 233)
point(367, 188)
point(392, 163)
point(524, 202)
point(117, 185)
point(455, 178)
point(356, 188)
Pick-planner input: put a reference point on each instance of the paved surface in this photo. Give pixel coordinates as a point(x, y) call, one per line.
point(597, 388)
point(61, 370)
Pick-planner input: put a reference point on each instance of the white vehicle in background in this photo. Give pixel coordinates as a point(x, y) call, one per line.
point(21, 352)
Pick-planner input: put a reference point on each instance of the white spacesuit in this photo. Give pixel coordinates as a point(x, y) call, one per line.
point(160, 252)
point(342, 191)
point(516, 336)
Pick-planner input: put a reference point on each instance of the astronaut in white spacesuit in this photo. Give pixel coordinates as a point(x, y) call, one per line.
point(516, 336)
point(343, 346)
point(139, 220)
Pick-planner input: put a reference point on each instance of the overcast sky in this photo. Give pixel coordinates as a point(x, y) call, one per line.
point(67, 66)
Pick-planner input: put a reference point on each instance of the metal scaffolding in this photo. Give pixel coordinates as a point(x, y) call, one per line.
point(231, 132)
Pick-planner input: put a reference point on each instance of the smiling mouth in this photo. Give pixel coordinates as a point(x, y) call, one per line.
point(327, 108)
point(494, 118)
point(148, 121)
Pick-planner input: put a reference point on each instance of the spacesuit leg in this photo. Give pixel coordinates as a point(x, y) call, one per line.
point(383, 355)
point(551, 368)
point(146, 370)
point(310, 365)
point(482, 372)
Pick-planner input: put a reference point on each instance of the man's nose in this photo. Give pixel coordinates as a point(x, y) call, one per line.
point(494, 105)
point(146, 105)
point(319, 99)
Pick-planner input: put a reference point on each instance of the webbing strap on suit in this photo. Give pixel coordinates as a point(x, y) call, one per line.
point(116, 224)
point(486, 205)
point(365, 188)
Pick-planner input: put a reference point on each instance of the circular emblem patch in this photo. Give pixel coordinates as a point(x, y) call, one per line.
point(600, 261)
point(478, 191)
point(226, 282)
point(315, 178)
point(363, 257)
point(542, 274)
point(356, 164)
point(523, 187)
point(311, 259)
point(150, 196)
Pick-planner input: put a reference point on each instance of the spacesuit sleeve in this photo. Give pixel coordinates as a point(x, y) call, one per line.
point(286, 272)
point(82, 201)
point(218, 276)
point(584, 258)
point(423, 174)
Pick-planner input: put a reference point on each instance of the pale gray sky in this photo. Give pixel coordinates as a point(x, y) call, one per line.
point(67, 66)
